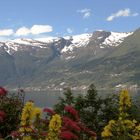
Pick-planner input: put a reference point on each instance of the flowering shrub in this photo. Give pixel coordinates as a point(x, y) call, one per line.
point(54, 128)
point(34, 126)
point(29, 122)
point(94, 111)
point(10, 109)
point(123, 128)
point(3, 91)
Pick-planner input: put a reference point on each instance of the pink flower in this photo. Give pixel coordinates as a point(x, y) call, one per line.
point(72, 111)
point(15, 134)
point(49, 111)
point(67, 135)
point(92, 133)
point(43, 133)
point(2, 115)
point(3, 91)
point(70, 124)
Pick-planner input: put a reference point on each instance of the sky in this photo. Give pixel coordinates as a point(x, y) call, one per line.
point(43, 18)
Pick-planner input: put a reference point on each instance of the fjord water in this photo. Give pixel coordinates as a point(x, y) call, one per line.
point(50, 98)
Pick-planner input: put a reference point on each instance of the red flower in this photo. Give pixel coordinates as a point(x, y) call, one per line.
point(43, 133)
point(70, 124)
point(2, 115)
point(3, 91)
point(15, 134)
point(92, 133)
point(49, 111)
point(67, 135)
point(72, 111)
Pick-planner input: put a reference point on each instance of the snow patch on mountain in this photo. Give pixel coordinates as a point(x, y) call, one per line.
point(77, 41)
point(69, 57)
point(27, 41)
point(71, 42)
point(22, 44)
point(115, 39)
point(11, 47)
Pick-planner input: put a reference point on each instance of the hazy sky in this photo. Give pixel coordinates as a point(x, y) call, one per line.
point(41, 18)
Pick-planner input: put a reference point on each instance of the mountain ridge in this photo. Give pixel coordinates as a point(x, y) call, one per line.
point(74, 61)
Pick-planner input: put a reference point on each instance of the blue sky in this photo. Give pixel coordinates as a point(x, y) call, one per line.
point(41, 18)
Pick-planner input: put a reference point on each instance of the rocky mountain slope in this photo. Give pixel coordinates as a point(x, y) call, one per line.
point(108, 59)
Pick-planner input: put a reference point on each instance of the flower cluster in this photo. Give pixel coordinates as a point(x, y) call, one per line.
point(10, 110)
point(54, 128)
point(49, 111)
point(67, 135)
point(136, 132)
point(29, 117)
point(72, 126)
point(123, 127)
point(72, 111)
point(125, 101)
point(2, 115)
point(3, 91)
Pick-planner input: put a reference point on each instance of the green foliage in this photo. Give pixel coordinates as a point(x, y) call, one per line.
point(11, 105)
point(67, 100)
point(93, 110)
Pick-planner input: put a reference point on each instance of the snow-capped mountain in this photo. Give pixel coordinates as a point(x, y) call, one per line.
point(70, 43)
point(73, 60)
point(76, 42)
point(115, 38)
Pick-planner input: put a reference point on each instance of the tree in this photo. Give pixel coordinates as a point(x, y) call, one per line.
point(67, 99)
point(94, 111)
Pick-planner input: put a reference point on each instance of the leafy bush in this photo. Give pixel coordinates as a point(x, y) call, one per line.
point(74, 117)
point(94, 111)
point(124, 127)
point(34, 126)
point(10, 109)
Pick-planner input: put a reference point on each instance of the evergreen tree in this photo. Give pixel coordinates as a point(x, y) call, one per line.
point(67, 99)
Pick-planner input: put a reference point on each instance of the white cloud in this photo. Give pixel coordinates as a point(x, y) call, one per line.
point(38, 29)
point(69, 30)
point(121, 13)
point(6, 32)
point(86, 13)
point(35, 30)
point(23, 31)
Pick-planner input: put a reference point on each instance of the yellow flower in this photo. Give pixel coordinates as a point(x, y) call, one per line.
point(125, 100)
point(107, 132)
point(92, 138)
point(112, 122)
point(26, 116)
point(25, 129)
point(122, 127)
point(37, 112)
point(55, 123)
point(54, 127)
point(129, 124)
point(27, 138)
point(107, 129)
